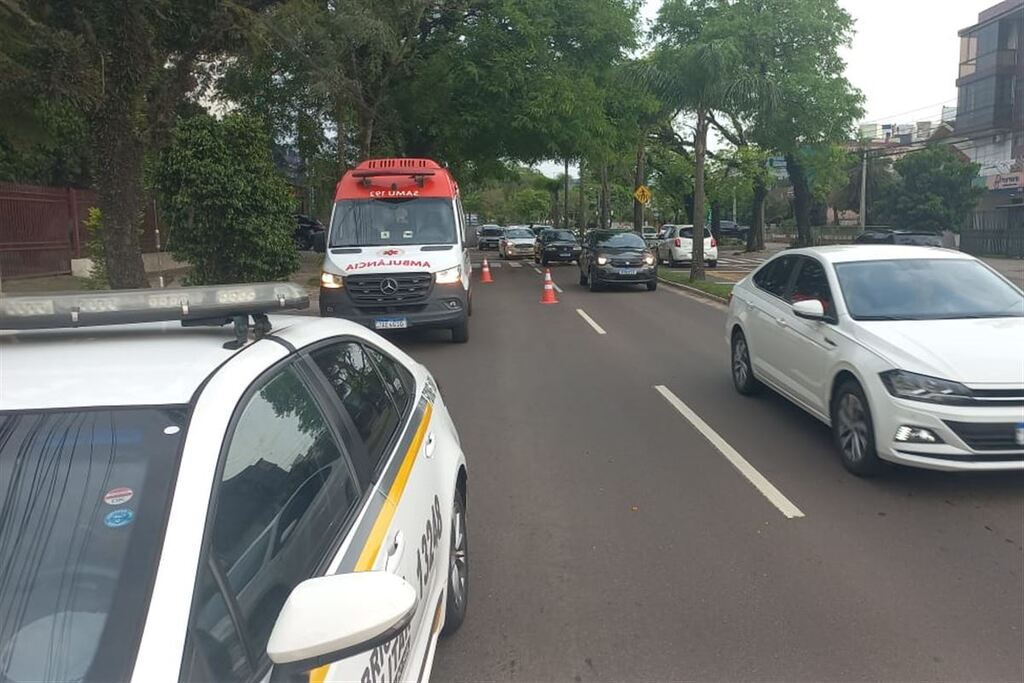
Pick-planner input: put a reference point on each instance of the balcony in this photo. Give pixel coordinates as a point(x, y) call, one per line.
point(991, 62)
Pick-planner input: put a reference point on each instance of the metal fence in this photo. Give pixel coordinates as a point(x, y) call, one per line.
point(43, 228)
point(999, 232)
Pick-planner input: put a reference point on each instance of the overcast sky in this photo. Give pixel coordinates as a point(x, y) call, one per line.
point(904, 55)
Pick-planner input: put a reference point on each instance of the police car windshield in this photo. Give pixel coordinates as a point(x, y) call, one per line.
point(377, 222)
point(84, 495)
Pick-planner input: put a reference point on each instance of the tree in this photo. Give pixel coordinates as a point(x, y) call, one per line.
point(530, 205)
point(126, 67)
point(935, 191)
point(230, 212)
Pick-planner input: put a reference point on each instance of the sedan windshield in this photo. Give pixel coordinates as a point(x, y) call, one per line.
point(377, 222)
point(559, 236)
point(493, 232)
point(620, 240)
point(519, 234)
point(926, 289)
point(84, 499)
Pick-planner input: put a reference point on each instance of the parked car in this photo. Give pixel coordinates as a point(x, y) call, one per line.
point(677, 246)
point(733, 230)
point(616, 257)
point(308, 231)
point(490, 236)
point(911, 354)
point(556, 245)
point(919, 238)
point(517, 242)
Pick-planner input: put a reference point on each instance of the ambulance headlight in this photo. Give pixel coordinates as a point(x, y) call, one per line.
point(449, 276)
point(331, 281)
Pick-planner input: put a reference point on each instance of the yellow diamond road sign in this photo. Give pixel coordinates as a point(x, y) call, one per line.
point(643, 194)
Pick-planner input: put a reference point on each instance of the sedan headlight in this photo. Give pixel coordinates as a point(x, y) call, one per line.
point(449, 276)
point(649, 260)
point(915, 387)
point(331, 281)
point(602, 260)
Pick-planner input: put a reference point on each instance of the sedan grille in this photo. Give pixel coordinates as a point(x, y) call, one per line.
point(987, 436)
point(389, 289)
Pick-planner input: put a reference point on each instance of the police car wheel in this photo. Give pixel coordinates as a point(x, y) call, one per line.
point(458, 569)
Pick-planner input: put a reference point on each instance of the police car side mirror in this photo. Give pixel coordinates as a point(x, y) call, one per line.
point(320, 241)
point(329, 618)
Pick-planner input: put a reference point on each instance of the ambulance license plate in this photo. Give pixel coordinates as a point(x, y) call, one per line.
point(390, 323)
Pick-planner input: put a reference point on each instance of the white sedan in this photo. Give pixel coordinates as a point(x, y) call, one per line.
point(913, 355)
point(517, 242)
point(281, 501)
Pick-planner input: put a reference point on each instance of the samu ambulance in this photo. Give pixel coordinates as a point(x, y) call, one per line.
point(396, 254)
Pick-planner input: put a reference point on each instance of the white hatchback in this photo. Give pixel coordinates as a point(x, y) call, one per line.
point(676, 246)
point(284, 502)
point(913, 355)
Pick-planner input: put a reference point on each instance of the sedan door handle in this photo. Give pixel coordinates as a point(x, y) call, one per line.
point(428, 449)
point(782, 322)
point(393, 561)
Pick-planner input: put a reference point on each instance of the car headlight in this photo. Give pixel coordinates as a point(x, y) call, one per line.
point(602, 260)
point(649, 260)
point(915, 387)
point(331, 281)
point(449, 276)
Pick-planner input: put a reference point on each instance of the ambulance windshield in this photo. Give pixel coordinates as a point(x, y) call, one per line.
point(377, 222)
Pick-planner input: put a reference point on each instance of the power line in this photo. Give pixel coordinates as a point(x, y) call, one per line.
point(888, 118)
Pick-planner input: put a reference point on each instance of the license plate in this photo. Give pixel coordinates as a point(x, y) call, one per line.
point(390, 324)
point(565, 253)
point(628, 271)
point(1020, 433)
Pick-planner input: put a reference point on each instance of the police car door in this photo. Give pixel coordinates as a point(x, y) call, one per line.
point(402, 529)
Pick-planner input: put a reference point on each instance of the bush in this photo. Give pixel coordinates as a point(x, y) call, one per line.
point(230, 213)
point(94, 250)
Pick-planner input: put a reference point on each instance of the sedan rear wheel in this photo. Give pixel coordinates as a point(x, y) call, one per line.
point(854, 431)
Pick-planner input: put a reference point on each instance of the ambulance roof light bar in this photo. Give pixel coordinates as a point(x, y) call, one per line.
point(418, 175)
point(211, 305)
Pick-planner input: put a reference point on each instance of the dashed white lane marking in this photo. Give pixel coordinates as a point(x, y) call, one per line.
point(515, 264)
point(557, 288)
point(590, 321)
point(767, 489)
point(537, 270)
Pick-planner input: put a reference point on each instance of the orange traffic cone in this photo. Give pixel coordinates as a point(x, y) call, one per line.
point(549, 289)
point(485, 273)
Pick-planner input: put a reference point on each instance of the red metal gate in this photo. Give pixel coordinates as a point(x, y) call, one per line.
point(41, 228)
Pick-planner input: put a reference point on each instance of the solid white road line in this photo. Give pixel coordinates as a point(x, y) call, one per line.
point(767, 489)
point(590, 321)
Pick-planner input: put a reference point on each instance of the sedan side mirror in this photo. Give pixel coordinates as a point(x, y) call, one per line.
point(320, 241)
point(329, 618)
point(809, 309)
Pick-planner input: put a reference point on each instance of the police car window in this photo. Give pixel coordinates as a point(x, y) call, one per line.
point(774, 276)
point(285, 492)
point(362, 392)
point(398, 381)
point(376, 222)
point(83, 505)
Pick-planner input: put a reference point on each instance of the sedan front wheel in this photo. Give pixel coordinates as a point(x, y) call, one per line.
point(854, 430)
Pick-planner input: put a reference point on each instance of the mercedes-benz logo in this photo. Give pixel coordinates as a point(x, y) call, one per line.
point(388, 286)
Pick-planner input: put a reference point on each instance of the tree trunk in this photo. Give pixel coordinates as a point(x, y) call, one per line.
point(699, 152)
point(716, 220)
point(801, 201)
point(120, 152)
point(581, 223)
point(755, 236)
point(365, 136)
point(605, 199)
point(565, 195)
point(341, 124)
point(638, 180)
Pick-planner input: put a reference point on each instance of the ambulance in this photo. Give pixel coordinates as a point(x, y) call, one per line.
point(396, 254)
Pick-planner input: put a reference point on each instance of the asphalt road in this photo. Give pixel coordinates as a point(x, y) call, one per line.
point(610, 540)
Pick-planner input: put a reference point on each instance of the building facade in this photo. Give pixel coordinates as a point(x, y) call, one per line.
point(989, 124)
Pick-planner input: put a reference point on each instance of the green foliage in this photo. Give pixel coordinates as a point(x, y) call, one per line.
point(230, 212)
point(828, 169)
point(94, 249)
point(530, 205)
point(935, 191)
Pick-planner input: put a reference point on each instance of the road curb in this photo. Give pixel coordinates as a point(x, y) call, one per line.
point(693, 290)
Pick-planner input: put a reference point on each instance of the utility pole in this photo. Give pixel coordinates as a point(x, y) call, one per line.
point(864, 190)
point(734, 206)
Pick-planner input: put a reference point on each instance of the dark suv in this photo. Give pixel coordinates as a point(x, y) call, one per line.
point(556, 245)
point(490, 236)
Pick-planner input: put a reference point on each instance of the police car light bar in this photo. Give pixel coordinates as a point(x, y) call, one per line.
point(218, 304)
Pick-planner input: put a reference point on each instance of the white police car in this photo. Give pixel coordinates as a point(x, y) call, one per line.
point(178, 502)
